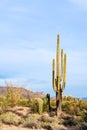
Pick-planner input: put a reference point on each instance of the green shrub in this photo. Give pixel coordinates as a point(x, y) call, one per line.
point(82, 126)
point(53, 103)
point(73, 105)
point(13, 95)
point(4, 104)
point(1, 100)
point(84, 116)
point(24, 102)
point(10, 119)
point(32, 121)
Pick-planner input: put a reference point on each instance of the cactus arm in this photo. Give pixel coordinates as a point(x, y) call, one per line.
point(62, 63)
point(55, 86)
point(53, 72)
point(63, 86)
point(64, 73)
point(53, 75)
point(64, 68)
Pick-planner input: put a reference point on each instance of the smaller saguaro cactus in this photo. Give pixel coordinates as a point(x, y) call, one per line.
point(38, 105)
point(46, 103)
point(59, 75)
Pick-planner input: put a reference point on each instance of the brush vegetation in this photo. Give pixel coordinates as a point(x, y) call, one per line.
point(37, 113)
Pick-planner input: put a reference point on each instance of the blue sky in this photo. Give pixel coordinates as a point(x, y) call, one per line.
point(28, 32)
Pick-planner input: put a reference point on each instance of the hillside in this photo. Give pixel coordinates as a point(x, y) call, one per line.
point(26, 93)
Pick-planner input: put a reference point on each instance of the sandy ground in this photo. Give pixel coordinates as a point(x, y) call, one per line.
point(6, 127)
point(24, 111)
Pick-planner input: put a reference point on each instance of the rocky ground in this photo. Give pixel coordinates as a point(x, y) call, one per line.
point(22, 118)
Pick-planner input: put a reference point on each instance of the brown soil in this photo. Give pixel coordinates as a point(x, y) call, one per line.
point(7, 127)
point(23, 113)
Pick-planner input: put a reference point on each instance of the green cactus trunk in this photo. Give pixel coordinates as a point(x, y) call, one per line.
point(59, 75)
point(48, 102)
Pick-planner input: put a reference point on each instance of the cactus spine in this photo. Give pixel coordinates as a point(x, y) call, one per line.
point(59, 75)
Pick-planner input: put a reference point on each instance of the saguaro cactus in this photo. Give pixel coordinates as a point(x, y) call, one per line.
point(59, 75)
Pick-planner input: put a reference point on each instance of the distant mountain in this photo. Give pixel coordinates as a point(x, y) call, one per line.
point(26, 93)
point(84, 98)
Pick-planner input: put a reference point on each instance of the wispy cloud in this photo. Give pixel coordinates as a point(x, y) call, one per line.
point(81, 3)
point(26, 63)
point(25, 55)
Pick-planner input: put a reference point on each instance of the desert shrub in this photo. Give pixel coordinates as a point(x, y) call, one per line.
point(32, 118)
point(32, 125)
point(1, 100)
point(72, 105)
point(64, 97)
point(53, 103)
point(13, 94)
point(10, 119)
point(65, 105)
point(47, 127)
point(4, 105)
point(24, 102)
point(69, 98)
point(82, 126)
point(32, 121)
point(83, 104)
point(1, 112)
point(84, 115)
point(69, 121)
point(46, 118)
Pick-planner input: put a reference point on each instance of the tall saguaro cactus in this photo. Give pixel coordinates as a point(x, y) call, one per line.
point(59, 75)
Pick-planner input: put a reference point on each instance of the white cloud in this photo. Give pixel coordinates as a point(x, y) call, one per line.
point(25, 63)
point(81, 3)
point(25, 55)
